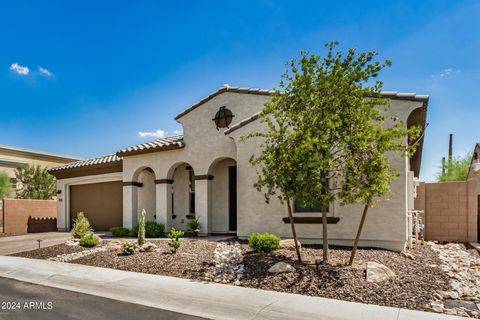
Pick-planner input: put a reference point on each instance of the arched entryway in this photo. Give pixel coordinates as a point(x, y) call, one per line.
point(224, 195)
point(182, 179)
point(145, 178)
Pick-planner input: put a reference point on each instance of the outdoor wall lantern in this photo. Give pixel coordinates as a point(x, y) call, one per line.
point(223, 117)
point(59, 191)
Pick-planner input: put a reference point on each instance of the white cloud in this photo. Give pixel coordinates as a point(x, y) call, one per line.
point(157, 134)
point(45, 72)
point(177, 131)
point(446, 72)
point(19, 69)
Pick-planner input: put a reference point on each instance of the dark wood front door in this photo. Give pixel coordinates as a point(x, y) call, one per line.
point(232, 198)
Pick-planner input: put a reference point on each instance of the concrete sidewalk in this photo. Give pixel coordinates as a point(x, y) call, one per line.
point(15, 244)
point(203, 299)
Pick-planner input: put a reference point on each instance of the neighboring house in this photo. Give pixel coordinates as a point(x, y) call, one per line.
point(206, 173)
point(13, 157)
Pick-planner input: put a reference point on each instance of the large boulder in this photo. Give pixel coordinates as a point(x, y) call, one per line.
point(281, 267)
point(377, 272)
point(289, 244)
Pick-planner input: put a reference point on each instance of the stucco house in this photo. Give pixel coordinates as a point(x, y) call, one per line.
point(206, 173)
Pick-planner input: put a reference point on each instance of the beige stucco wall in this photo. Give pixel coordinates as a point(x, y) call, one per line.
point(146, 194)
point(47, 162)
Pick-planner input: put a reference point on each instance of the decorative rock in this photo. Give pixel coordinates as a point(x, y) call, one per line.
point(468, 305)
point(281, 267)
point(228, 267)
point(289, 244)
point(377, 272)
point(147, 247)
point(73, 242)
point(407, 255)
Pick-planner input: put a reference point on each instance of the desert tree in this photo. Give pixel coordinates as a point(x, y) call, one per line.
point(322, 119)
point(36, 183)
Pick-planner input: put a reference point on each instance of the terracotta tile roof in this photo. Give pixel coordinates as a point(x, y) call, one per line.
point(102, 160)
point(163, 144)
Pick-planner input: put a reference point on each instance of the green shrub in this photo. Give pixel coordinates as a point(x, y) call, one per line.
point(141, 229)
point(152, 229)
point(194, 225)
point(174, 236)
point(81, 226)
point(119, 231)
point(89, 240)
point(263, 242)
point(128, 248)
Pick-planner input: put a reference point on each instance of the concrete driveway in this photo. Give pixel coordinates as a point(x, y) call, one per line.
point(15, 244)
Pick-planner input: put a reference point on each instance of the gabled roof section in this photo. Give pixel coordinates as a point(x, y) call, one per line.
point(163, 144)
point(394, 95)
point(227, 88)
point(104, 164)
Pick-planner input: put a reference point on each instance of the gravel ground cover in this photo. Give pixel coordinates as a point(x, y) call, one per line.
point(415, 282)
point(192, 260)
point(49, 252)
point(411, 288)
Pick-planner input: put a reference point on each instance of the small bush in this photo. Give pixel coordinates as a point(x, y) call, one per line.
point(194, 225)
point(81, 226)
point(89, 240)
point(119, 231)
point(128, 248)
point(141, 229)
point(263, 242)
point(174, 243)
point(152, 229)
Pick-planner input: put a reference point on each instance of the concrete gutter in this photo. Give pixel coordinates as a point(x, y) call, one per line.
point(203, 299)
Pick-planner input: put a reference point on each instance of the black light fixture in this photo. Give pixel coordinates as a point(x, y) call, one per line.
point(59, 191)
point(223, 117)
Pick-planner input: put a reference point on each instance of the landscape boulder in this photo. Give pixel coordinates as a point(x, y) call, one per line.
point(289, 244)
point(281, 267)
point(147, 247)
point(377, 272)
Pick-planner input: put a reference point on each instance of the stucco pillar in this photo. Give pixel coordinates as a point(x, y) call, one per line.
point(130, 214)
point(163, 193)
point(62, 214)
point(203, 203)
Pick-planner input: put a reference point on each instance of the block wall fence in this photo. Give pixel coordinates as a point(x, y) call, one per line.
point(450, 210)
point(16, 213)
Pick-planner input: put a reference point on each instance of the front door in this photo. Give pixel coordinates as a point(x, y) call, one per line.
point(232, 198)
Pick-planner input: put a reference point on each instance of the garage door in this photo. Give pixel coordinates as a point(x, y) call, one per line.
point(100, 202)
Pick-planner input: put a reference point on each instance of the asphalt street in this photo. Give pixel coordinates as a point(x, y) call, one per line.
point(22, 300)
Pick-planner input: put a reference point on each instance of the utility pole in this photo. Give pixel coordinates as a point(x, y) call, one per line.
point(450, 153)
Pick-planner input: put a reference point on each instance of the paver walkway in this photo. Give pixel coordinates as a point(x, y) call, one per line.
point(208, 300)
point(15, 244)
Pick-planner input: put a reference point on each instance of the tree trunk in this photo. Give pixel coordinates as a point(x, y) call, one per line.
point(324, 234)
point(294, 233)
point(357, 238)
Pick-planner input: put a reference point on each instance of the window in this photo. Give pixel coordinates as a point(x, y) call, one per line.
point(299, 207)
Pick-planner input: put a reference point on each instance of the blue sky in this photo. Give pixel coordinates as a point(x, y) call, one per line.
point(100, 72)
